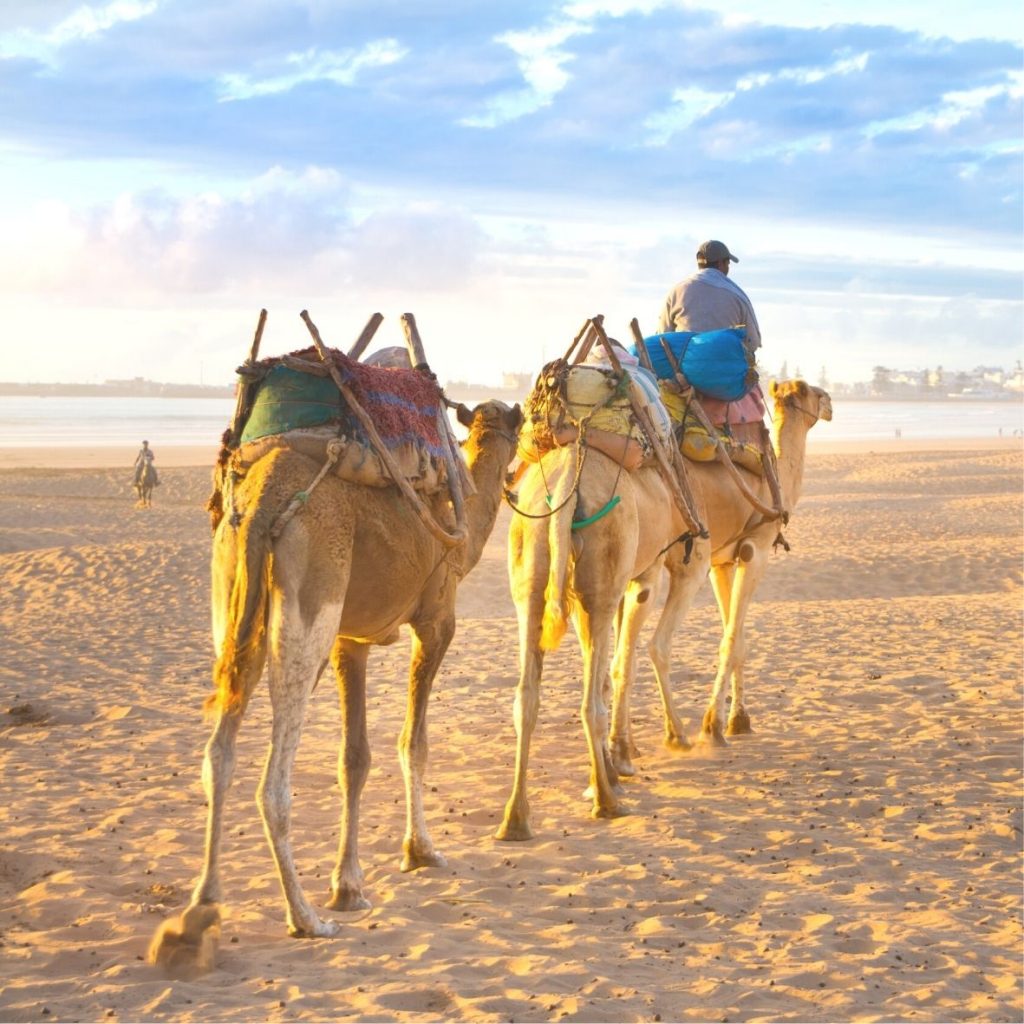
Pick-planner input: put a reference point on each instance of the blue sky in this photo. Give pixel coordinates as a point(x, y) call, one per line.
point(504, 170)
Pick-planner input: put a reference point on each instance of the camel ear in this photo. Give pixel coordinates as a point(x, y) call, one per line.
point(464, 415)
point(515, 418)
point(773, 388)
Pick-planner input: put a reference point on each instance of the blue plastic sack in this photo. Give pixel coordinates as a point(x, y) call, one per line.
point(716, 363)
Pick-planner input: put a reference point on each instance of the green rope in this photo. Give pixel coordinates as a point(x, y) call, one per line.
point(599, 514)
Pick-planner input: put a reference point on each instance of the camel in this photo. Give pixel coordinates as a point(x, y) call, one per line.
point(737, 556)
point(343, 575)
point(607, 572)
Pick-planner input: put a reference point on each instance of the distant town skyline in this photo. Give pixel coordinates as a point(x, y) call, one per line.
point(504, 171)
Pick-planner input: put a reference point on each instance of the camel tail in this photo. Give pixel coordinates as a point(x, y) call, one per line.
point(556, 594)
point(240, 663)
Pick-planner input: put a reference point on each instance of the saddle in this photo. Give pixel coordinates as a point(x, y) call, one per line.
point(295, 404)
point(592, 403)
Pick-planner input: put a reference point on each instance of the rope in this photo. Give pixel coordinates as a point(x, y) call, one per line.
point(599, 514)
point(581, 454)
point(334, 449)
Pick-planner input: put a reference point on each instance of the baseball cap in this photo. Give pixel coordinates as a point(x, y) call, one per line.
point(714, 252)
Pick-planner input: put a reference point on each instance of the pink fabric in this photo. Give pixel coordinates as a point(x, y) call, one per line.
point(748, 409)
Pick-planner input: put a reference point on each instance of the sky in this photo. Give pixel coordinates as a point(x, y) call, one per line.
point(503, 171)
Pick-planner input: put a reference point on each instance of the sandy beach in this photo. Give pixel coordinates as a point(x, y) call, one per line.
point(857, 858)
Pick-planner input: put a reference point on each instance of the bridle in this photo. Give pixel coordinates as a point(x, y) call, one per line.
point(815, 416)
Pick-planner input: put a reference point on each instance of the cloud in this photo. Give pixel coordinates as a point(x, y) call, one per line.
point(423, 247)
point(284, 232)
point(338, 67)
point(688, 106)
point(151, 243)
point(85, 23)
point(542, 64)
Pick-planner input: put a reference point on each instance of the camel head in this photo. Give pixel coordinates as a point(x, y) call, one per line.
point(490, 417)
point(799, 395)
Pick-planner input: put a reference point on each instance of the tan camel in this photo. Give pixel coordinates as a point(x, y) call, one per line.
point(344, 573)
point(737, 556)
point(605, 573)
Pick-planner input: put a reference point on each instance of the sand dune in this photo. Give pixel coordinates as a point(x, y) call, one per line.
point(857, 858)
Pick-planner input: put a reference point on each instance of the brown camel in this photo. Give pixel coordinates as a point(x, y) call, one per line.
point(344, 574)
point(605, 572)
point(737, 556)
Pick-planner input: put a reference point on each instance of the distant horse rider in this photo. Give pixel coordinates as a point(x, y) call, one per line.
point(709, 301)
point(144, 461)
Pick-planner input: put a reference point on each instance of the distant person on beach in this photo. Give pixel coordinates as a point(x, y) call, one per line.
point(709, 301)
point(143, 461)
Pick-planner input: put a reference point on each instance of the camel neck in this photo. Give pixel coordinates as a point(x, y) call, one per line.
point(789, 438)
point(487, 471)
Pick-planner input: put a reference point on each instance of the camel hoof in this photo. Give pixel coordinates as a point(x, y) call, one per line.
point(739, 725)
point(680, 743)
point(714, 738)
point(187, 946)
point(317, 930)
point(514, 832)
point(347, 900)
point(625, 767)
point(615, 810)
point(411, 861)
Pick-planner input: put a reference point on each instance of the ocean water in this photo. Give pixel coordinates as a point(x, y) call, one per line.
point(28, 421)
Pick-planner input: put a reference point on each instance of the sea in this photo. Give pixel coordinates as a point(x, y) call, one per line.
point(102, 421)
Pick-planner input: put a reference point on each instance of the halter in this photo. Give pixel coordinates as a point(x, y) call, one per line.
point(807, 412)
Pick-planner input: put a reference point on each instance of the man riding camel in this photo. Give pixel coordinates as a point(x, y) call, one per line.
point(709, 301)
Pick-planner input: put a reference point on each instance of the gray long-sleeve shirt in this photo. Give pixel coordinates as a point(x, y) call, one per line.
point(709, 301)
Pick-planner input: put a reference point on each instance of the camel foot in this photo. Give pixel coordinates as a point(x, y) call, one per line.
point(510, 831)
point(711, 730)
point(616, 787)
point(712, 738)
point(316, 929)
point(346, 899)
point(612, 810)
point(621, 759)
point(676, 741)
point(739, 724)
point(413, 859)
point(187, 946)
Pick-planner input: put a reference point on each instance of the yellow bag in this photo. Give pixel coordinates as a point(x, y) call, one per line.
point(697, 444)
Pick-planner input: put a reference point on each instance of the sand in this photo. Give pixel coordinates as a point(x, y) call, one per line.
point(857, 858)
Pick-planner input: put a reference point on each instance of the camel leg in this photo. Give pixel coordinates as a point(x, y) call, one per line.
point(684, 581)
point(734, 589)
point(528, 570)
point(349, 661)
point(712, 726)
point(187, 944)
point(593, 631)
point(747, 579)
point(430, 641)
point(633, 611)
point(515, 826)
point(297, 654)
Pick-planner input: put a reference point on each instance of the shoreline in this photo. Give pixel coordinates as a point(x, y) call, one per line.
point(185, 456)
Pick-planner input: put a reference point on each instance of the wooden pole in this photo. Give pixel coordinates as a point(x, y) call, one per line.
point(459, 480)
point(641, 345)
point(449, 540)
point(584, 330)
point(414, 343)
point(245, 384)
point(677, 484)
point(366, 337)
point(594, 323)
point(720, 451)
